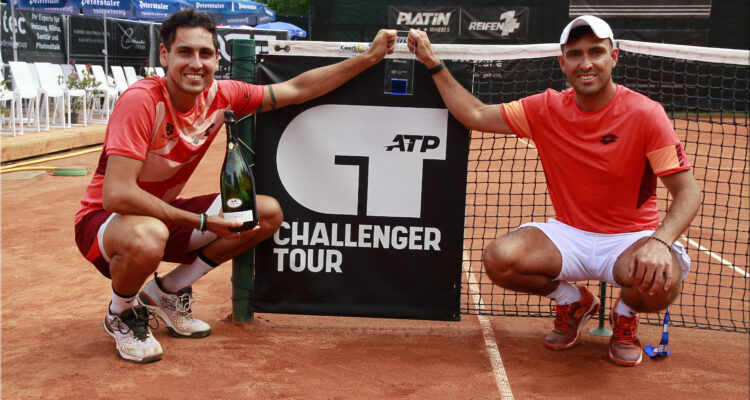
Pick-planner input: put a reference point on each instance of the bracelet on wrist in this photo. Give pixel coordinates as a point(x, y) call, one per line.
point(203, 223)
point(661, 241)
point(434, 70)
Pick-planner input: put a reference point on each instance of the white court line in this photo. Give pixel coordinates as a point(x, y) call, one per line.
point(715, 256)
point(501, 379)
point(526, 142)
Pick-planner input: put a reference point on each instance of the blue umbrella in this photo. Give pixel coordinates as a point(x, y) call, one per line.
point(236, 12)
point(53, 7)
point(157, 10)
point(295, 30)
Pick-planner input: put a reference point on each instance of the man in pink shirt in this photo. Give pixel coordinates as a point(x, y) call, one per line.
point(132, 217)
point(602, 147)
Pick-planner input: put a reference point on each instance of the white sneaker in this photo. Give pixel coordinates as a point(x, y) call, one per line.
point(174, 309)
point(132, 335)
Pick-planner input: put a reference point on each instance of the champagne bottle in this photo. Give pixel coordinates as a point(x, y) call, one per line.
point(237, 182)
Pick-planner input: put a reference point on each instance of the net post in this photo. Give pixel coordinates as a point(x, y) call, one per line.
point(601, 330)
point(243, 69)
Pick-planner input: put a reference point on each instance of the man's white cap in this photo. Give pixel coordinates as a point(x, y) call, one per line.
point(601, 29)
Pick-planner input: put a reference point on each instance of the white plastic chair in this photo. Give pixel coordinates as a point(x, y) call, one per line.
point(159, 71)
point(130, 74)
point(8, 102)
point(25, 89)
point(50, 89)
point(107, 94)
point(121, 82)
point(55, 71)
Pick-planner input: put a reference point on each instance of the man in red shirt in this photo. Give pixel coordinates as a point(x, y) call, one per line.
point(131, 217)
point(602, 147)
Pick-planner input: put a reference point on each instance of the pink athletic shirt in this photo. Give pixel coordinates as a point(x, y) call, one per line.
point(144, 126)
point(601, 166)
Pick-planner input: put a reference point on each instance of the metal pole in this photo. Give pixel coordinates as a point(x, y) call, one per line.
point(243, 69)
point(13, 27)
point(106, 64)
point(601, 330)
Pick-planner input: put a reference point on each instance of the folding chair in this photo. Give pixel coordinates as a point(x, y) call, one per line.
point(25, 89)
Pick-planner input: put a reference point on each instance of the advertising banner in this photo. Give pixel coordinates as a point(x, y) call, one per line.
point(128, 41)
point(447, 24)
point(39, 37)
point(373, 189)
point(494, 23)
point(440, 22)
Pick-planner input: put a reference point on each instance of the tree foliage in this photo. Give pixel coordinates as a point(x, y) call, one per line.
point(289, 7)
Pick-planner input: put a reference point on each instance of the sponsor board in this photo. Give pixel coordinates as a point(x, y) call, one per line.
point(373, 192)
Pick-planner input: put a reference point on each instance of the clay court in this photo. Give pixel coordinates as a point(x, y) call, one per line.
point(54, 345)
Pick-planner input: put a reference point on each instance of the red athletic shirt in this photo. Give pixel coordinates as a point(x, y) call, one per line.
point(145, 126)
point(601, 166)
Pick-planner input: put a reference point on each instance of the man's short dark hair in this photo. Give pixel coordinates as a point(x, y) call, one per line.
point(187, 18)
point(579, 32)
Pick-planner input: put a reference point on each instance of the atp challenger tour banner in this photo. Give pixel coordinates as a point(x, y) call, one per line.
point(373, 191)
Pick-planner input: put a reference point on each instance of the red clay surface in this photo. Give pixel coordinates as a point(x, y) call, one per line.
point(54, 345)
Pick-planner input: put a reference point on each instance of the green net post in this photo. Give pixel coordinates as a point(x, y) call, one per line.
point(243, 69)
point(601, 330)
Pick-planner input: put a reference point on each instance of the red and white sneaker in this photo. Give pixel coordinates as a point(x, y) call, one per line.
point(570, 320)
point(624, 347)
point(174, 309)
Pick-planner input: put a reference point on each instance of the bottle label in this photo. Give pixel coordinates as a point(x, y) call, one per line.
point(234, 202)
point(239, 216)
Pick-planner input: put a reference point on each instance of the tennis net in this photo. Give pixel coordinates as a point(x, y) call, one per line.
point(705, 93)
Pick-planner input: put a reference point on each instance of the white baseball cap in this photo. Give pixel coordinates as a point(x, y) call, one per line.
point(601, 29)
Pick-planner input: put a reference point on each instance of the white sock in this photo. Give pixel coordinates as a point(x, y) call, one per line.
point(624, 309)
point(120, 303)
point(186, 274)
point(565, 294)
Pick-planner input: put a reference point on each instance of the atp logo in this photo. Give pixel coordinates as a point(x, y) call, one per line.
point(357, 160)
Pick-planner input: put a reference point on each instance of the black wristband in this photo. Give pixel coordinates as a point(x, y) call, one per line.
point(434, 70)
point(661, 241)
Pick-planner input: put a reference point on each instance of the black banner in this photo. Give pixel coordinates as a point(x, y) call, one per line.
point(373, 192)
point(128, 42)
point(39, 37)
point(87, 40)
point(440, 22)
point(494, 23)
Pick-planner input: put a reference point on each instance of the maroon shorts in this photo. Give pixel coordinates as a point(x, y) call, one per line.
point(177, 243)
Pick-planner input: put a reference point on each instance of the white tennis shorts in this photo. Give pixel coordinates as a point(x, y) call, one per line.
point(592, 256)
